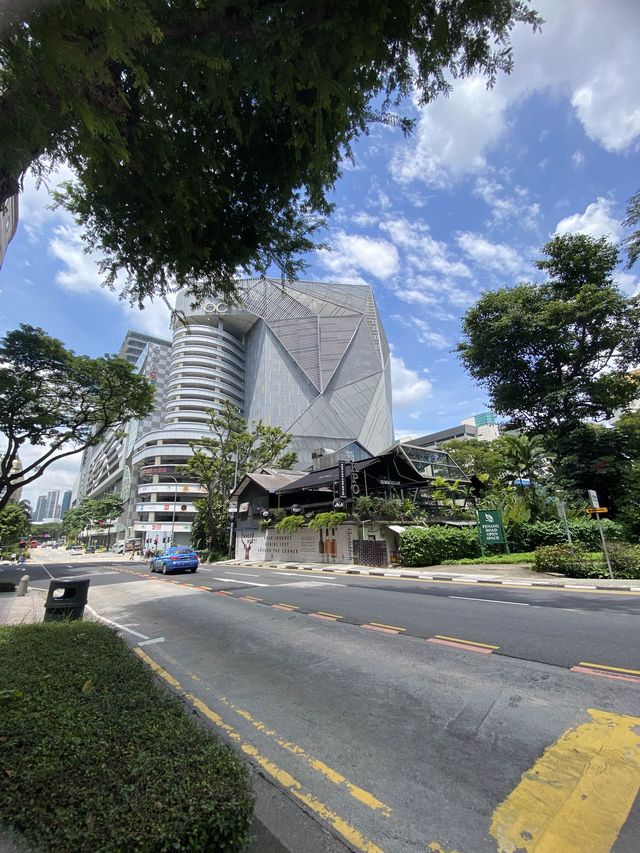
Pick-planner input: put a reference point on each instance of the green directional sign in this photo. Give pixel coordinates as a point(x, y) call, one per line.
point(491, 529)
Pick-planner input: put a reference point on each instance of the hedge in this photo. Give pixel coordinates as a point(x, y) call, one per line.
point(96, 756)
point(430, 546)
point(532, 535)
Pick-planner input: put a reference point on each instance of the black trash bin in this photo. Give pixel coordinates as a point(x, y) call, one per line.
point(66, 599)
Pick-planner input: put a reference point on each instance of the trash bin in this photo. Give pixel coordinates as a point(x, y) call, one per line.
point(66, 599)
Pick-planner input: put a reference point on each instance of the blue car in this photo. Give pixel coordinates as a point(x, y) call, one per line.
point(175, 559)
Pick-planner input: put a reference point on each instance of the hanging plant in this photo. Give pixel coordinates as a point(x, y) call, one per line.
point(290, 523)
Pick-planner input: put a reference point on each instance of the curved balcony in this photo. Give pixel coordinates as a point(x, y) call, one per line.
point(199, 330)
point(188, 490)
point(204, 377)
point(165, 507)
point(148, 455)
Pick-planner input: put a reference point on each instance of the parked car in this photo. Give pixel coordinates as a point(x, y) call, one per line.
point(118, 547)
point(75, 551)
point(90, 549)
point(175, 559)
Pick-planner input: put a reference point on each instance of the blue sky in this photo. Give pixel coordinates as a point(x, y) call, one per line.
point(462, 206)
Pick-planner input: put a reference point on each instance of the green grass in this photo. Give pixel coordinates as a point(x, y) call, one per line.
point(506, 559)
point(94, 755)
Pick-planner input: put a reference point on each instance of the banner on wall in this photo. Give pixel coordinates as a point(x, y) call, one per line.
point(327, 545)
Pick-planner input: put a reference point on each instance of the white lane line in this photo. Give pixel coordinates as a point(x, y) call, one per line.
point(116, 624)
point(47, 571)
point(242, 574)
point(492, 600)
point(149, 642)
point(248, 583)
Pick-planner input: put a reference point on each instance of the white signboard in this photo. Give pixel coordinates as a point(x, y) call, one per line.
point(328, 545)
point(593, 497)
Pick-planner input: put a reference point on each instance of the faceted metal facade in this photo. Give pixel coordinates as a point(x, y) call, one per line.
point(316, 361)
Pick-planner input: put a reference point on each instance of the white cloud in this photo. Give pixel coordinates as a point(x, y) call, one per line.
point(597, 220)
point(581, 54)
point(408, 387)
point(627, 282)
point(352, 253)
point(79, 273)
point(578, 159)
point(427, 335)
point(497, 257)
point(423, 251)
point(507, 206)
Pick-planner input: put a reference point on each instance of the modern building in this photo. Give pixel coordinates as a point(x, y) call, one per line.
point(41, 504)
point(51, 505)
point(8, 224)
point(478, 428)
point(66, 503)
point(308, 357)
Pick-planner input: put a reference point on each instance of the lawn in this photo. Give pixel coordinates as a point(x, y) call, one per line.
point(95, 755)
point(507, 559)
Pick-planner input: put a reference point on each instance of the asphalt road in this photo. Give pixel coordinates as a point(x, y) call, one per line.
point(395, 743)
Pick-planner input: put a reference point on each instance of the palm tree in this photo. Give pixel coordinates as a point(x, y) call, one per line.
point(524, 459)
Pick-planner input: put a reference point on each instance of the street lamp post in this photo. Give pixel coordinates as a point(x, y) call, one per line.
point(175, 501)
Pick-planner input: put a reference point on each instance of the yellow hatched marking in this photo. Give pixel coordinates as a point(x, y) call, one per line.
point(382, 625)
point(357, 840)
point(467, 642)
point(578, 795)
point(612, 668)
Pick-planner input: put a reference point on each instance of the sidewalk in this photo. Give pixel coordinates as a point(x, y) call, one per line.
point(518, 574)
point(25, 610)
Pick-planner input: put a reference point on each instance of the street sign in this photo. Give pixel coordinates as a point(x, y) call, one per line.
point(596, 509)
point(491, 529)
point(342, 479)
point(561, 509)
point(593, 497)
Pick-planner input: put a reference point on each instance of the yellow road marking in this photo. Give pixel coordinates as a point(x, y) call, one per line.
point(335, 615)
point(357, 840)
point(578, 795)
point(382, 625)
point(612, 668)
point(292, 606)
point(434, 847)
point(322, 768)
point(156, 667)
point(467, 642)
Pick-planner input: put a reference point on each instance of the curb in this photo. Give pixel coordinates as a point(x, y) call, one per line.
point(353, 570)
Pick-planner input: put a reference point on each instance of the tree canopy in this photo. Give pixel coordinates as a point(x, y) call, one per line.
point(14, 523)
point(221, 460)
point(58, 401)
point(556, 354)
point(205, 136)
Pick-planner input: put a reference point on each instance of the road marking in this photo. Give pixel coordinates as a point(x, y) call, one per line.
point(47, 571)
point(613, 668)
point(370, 627)
point(468, 642)
point(331, 774)
point(578, 795)
point(491, 600)
point(359, 841)
point(292, 606)
point(459, 645)
point(242, 574)
point(150, 642)
point(335, 615)
point(600, 673)
point(382, 625)
point(286, 607)
point(116, 624)
point(248, 583)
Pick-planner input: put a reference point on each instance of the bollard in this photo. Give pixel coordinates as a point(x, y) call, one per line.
point(23, 585)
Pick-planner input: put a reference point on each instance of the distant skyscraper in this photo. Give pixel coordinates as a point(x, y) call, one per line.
point(66, 503)
point(51, 504)
point(8, 224)
point(41, 505)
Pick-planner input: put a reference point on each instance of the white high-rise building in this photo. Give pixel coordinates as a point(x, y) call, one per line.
point(308, 357)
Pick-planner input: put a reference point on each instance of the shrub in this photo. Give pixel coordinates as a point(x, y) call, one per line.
point(625, 559)
point(569, 560)
point(327, 519)
point(96, 756)
point(531, 535)
point(290, 523)
point(430, 546)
